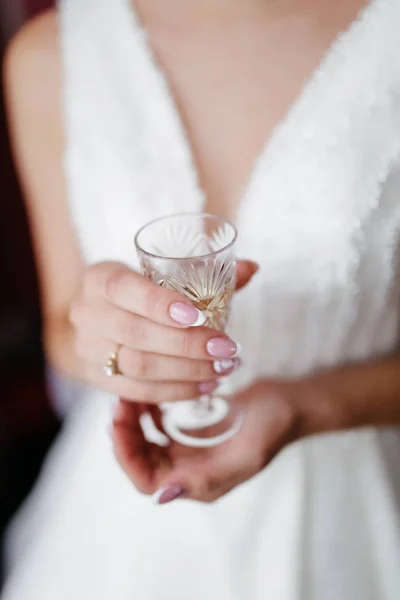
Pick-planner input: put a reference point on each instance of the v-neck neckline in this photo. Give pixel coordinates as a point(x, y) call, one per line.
point(180, 137)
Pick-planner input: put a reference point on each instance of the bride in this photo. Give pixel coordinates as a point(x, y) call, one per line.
point(284, 117)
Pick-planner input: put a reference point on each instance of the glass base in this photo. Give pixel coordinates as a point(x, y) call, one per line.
point(202, 424)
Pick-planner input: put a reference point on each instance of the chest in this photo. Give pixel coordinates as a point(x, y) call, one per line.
point(313, 200)
point(234, 80)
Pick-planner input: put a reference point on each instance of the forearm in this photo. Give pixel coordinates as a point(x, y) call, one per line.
point(59, 342)
point(362, 395)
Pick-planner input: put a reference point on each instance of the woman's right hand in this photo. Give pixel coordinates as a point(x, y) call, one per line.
point(165, 355)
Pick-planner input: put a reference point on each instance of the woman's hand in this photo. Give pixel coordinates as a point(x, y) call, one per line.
point(164, 355)
point(277, 412)
point(206, 474)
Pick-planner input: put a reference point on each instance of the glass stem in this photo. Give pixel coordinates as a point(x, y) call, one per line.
point(205, 402)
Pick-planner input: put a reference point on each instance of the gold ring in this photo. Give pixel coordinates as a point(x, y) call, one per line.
point(111, 367)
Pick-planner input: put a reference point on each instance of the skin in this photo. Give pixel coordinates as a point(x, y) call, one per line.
point(88, 309)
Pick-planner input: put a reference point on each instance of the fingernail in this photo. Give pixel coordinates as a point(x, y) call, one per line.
point(223, 347)
point(224, 367)
point(208, 386)
point(168, 494)
point(186, 314)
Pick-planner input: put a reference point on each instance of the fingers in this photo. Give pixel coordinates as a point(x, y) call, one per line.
point(130, 447)
point(267, 427)
point(138, 333)
point(132, 292)
point(148, 373)
point(218, 472)
point(147, 366)
point(201, 475)
point(165, 355)
point(144, 463)
point(213, 473)
point(147, 391)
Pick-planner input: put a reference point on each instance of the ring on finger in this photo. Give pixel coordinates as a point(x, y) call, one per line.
point(111, 368)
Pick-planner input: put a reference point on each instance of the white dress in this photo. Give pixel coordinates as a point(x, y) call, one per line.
point(321, 215)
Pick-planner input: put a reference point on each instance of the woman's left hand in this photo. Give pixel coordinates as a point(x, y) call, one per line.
point(277, 412)
point(205, 475)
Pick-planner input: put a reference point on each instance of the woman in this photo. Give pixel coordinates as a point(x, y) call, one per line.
point(161, 106)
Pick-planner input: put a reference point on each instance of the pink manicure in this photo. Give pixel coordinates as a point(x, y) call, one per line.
point(168, 494)
point(222, 347)
point(186, 314)
point(208, 386)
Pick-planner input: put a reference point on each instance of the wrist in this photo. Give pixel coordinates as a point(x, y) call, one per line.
point(359, 395)
point(319, 406)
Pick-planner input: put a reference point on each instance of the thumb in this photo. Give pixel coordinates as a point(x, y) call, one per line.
point(212, 473)
point(218, 473)
point(207, 479)
point(245, 270)
point(205, 475)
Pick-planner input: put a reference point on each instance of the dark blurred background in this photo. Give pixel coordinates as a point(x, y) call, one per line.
point(27, 423)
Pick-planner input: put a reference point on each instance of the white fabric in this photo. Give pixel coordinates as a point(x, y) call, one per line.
point(321, 214)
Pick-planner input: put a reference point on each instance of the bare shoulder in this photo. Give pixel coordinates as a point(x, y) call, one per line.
point(39, 38)
point(32, 62)
point(32, 74)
